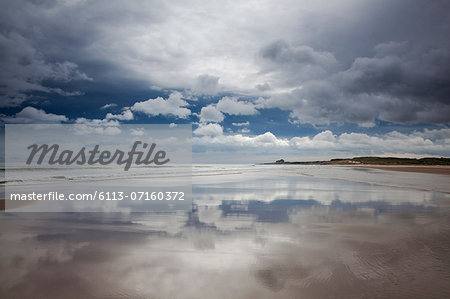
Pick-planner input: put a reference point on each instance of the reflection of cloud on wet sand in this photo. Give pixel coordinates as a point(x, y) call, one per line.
point(318, 252)
point(353, 257)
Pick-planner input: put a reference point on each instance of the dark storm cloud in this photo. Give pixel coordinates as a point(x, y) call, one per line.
point(400, 83)
point(300, 62)
point(404, 76)
point(24, 69)
point(418, 78)
point(281, 52)
point(343, 61)
point(46, 45)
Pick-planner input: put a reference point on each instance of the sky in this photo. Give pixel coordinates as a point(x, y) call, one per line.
point(258, 80)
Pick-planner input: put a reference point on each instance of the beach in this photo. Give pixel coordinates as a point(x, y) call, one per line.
point(251, 231)
point(434, 169)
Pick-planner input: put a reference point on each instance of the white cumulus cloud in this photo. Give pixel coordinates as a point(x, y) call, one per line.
point(210, 113)
point(209, 130)
point(84, 126)
point(328, 144)
point(33, 115)
point(232, 106)
point(125, 115)
point(174, 105)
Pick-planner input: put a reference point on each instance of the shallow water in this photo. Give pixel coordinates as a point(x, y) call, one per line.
point(252, 232)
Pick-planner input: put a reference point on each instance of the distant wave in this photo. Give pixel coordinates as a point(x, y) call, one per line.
point(10, 181)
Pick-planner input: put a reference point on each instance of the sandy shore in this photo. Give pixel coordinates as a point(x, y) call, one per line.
point(435, 169)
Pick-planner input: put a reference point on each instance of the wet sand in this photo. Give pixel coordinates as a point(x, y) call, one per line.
point(314, 253)
point(434, 169)
point(258, 234)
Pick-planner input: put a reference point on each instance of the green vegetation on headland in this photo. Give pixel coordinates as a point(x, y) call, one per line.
point(372, 161)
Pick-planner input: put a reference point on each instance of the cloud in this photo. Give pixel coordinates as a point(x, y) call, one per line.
point(209, 130)
point(206, 85)
point(125, 115)
point(228, 105)
point(244, 130)
point(137, 131)
point(33, 115)
point(247, 123)
point(232, 106)
point(106, 106)
point(409, 77)
point(399, 77)
point(392, 142)
point(322, 102)
point(220, 142)
point(114, 42)
point(84, 126)
point(210, 113)
point(363, 143)
point(25, 69)
point(346, 61)
point(398, 84)
point(174, 105)
point(327, 143)
point(281, 52)
point(287, 66)
point(263, 87)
